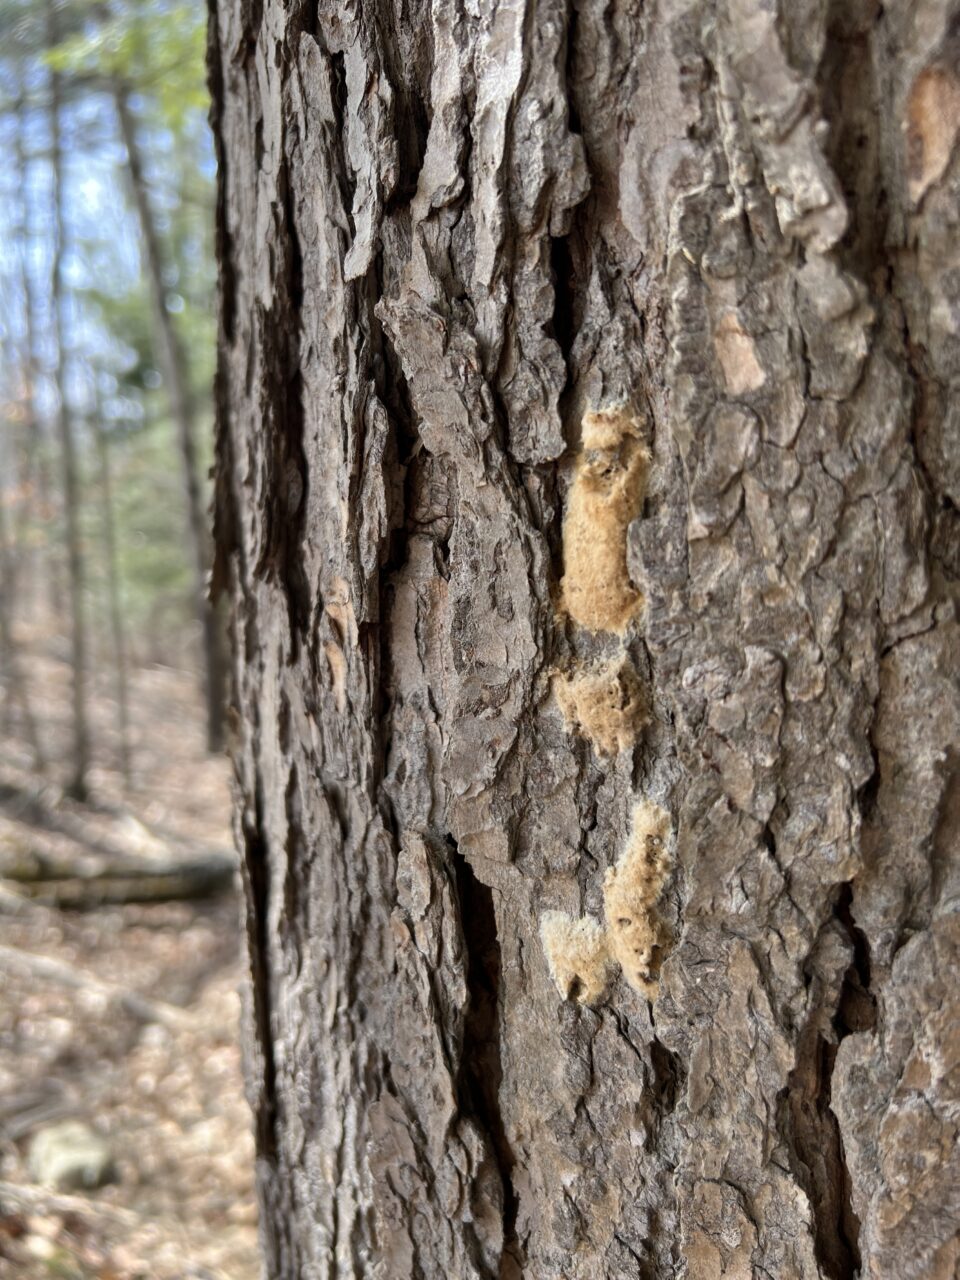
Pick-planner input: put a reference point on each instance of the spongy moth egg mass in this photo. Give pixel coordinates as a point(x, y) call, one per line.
point(606, 495)
point(608, 704)
point(577, 955)
point(638, 937)
point(581, 954)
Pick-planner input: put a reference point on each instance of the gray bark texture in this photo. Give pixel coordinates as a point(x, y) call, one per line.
point(588, 470)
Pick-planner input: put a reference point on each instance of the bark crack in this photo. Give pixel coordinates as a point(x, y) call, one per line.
point(292, 492)
point(254, 870)
point(281, 1256)
point(224, 241)
point(480, 1071)
point(806, 1118)
point(338, 98)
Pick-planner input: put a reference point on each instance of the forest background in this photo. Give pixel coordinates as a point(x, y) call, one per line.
point(119, 962)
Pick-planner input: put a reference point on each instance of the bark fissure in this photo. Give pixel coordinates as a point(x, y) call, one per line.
point(282, 556)
point(816, 1147)
point(339, 98)
point(455, 235)
point(256, 878)
point(808, 1122)
point(668, 1076)
point(480, 1072)
point(394, 393)
point(223, 244)
point(566, 288)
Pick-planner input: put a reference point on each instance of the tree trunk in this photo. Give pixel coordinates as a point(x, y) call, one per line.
point(587, 483)
point(80, 750)
point(118, 631)
point(36, 506)
point(11, 669)
point(175, 376)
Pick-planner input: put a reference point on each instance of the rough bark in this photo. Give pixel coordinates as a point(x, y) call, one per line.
point(477, 263)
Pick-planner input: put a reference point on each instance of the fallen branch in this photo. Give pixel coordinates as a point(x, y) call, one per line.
point(137, 1006)
point(107, 885)
point(66, 856)
point(29, 1199)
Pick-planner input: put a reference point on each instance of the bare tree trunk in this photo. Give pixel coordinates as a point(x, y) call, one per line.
point(11, 667)
point(79, 761)
point(588, 474)
point(174, 368)
point(37, 502)
point(117, 629)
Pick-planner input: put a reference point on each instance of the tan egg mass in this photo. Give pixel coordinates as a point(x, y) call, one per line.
point(637, 936)
point(606, 495)
point(577, 956)
point(608, 705)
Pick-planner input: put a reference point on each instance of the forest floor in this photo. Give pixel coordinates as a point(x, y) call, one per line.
point(126, 1016)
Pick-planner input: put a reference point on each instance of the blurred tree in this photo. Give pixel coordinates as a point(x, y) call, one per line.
point(176, 378)
point(35, 447)
point(80, 760)
point(123, 286)
point(11, 667)
point(154, 53)
point(117, 624)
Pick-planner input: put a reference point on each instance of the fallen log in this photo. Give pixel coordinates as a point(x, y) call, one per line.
point(59, 885)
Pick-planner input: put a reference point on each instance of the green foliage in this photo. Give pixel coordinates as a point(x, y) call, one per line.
point(128, 314)
point(151, 47)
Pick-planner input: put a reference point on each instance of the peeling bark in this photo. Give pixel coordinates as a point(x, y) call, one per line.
point(453, 241)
